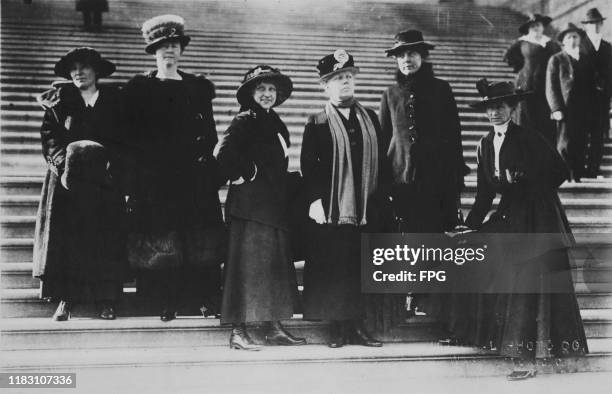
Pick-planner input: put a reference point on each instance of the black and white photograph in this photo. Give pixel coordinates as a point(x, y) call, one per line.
point(306, 196)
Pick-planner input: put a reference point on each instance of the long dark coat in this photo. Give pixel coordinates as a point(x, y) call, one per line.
point(568, 89)
point(601, 61)
point(260, 280)
point(529, 61)
point(428, 202)
point(510, 322)
point(332, 287)
point(169, 138)
point(66, 248)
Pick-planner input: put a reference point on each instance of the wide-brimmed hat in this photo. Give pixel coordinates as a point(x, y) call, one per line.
point(162, 28)
point(84, 55)
point(86, 165)
point(593, 16)
point(408, 39)
point(335, 63)
point(534, 18)
point(569, 28)
point(260, 73)
point(492, 92)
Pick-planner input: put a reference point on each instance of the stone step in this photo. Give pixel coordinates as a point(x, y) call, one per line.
point(134, 332)
point(420, 360)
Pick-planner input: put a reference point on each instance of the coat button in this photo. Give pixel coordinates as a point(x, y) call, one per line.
point(200, 139)
point(201, 159)
point(199, 116)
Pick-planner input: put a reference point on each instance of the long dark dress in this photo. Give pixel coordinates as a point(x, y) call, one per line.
point(173, 180)
point(519, 324)
point(78, 244)
point(529, 61)
point(332, 281)
point(259, 276)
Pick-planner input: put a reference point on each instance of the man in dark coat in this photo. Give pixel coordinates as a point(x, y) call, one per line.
point(599, 53)
point(174, 180)
point(568, 84)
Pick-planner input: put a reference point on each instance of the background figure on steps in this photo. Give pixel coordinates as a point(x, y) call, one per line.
point(260, 280)
point(599, 53)
point(537, 317)
point(92, 13)
point(422, 134)
point(568, 91)
point(528, 56)
point(79, 248)
point(343, 164)
point(173, 178)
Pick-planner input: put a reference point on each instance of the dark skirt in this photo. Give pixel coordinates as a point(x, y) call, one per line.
point(332, 273)
point(259, 276)
point(79, 245)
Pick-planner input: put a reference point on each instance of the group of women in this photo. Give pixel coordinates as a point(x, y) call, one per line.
point(148, 150)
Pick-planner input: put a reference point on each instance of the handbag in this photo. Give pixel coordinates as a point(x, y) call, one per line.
point(154, 251)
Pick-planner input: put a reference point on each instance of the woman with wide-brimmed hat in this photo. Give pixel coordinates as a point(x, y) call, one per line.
point(537, 316)
point(420, 121)
point(342, 161)
point(528, 56)
point(176, 239)
point(260, 282)
point(569, 89)
point(78, 247)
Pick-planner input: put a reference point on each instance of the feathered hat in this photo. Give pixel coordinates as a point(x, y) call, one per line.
point(162, 28)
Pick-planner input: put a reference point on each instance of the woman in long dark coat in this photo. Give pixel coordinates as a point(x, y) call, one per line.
point(538, 316)
point(260, 282)
point(528, 56)
point(173, 180)
point(420, 122)
point(78, 248)
point(342, 160)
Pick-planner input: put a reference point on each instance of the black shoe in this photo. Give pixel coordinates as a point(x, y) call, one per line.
point(62, 313)
point(240, 339)
point(108, 313)
point(521, 374)
point(168, 315)
point(208, 312)
point(277, 335)
point(337, 334)
point(359, 336)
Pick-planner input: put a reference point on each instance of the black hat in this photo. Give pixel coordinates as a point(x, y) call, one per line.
point(283, 84)
point(335, 63)
point(162, 28)
point(534, 18)
point(85, 55)
point(569, 28)
point(593, 16)
point(492, 92)
point(408, 39)
point(86, 165)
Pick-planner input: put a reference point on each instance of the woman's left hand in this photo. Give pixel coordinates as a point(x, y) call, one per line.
point(514, 176)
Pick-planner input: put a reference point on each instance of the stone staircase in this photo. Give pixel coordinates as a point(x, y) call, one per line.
point(30, 45)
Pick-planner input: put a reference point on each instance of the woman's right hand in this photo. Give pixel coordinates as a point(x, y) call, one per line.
point(316, 212)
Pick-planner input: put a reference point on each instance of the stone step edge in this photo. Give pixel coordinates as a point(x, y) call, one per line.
point(211, 355)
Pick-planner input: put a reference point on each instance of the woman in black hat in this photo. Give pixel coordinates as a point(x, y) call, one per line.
point(528, 56)
point(342, 161)
point(420, 121)
point(260, 282)
point(173, 183)
point(537, 317)
point(78, 248)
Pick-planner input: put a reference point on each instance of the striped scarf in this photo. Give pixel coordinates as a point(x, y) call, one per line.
point(342, 185)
